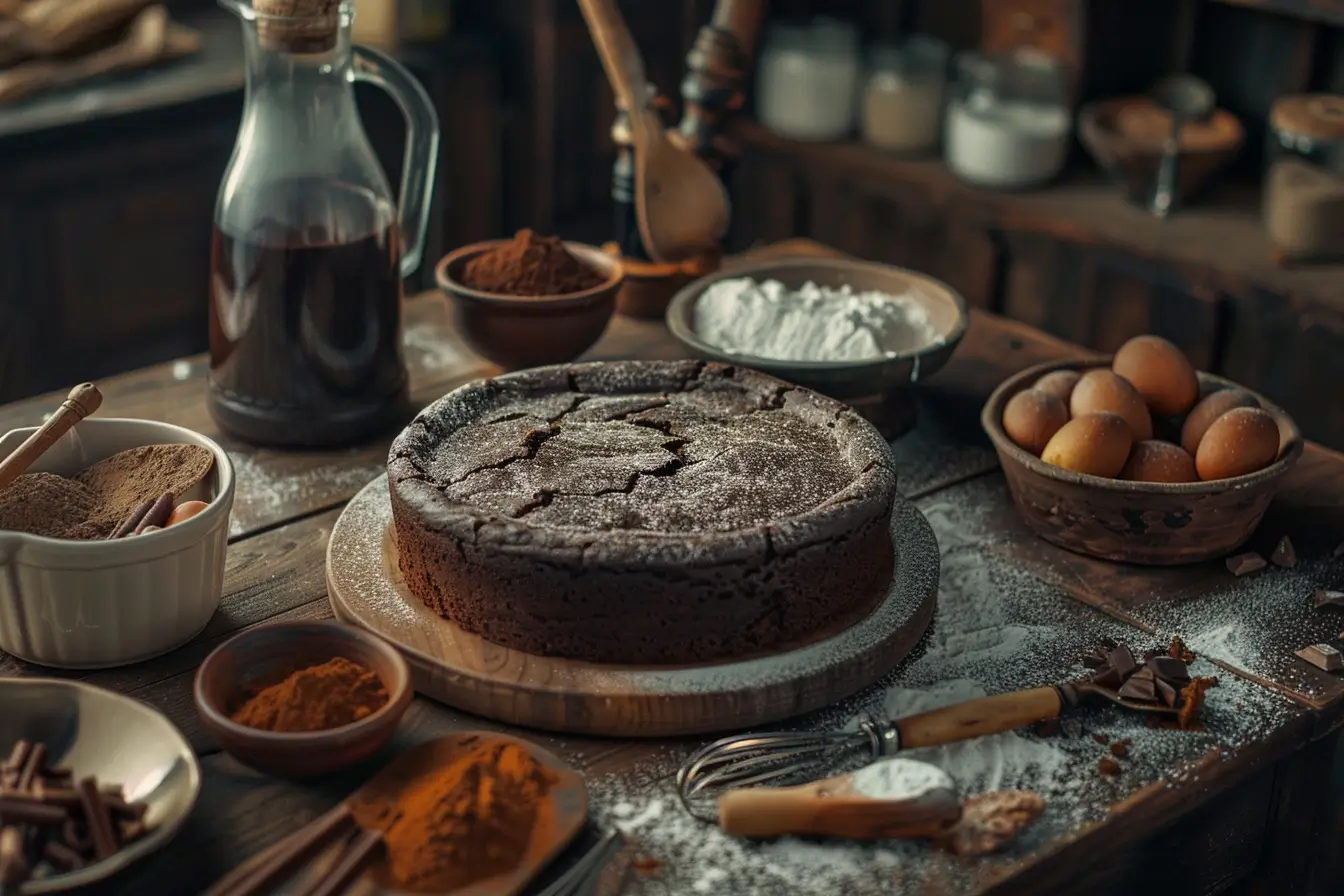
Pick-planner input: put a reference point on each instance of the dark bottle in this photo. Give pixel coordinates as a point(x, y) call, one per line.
point(308, 250)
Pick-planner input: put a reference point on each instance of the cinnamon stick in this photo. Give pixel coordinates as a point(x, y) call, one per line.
point(158, 514)
point(127, 526)
point(83, 400)
point(281, 860)
point(357, 853)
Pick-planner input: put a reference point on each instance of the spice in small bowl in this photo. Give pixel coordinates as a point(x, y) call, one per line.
point(531, 300)
point(303, 699)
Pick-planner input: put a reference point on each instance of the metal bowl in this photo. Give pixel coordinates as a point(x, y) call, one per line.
point(121, 741)
point(838, 379)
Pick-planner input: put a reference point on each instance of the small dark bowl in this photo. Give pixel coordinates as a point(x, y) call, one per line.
point(264, 655)
point(530, 331)
point(1153, 523)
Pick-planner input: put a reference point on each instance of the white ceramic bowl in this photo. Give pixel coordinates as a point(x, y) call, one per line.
point(94, 604)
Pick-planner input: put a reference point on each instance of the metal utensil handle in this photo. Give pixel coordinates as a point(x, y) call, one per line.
point(422, 147)
point(1164, 200)
point(976, 718)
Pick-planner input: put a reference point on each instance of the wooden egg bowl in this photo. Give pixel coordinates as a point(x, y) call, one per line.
point(1153, 523)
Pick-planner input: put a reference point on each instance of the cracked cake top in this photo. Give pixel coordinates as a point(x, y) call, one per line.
point(642, 447)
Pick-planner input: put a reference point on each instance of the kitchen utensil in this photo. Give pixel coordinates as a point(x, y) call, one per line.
point(83, 400)
point(95, 604)
point(744, 760)
point(263, 656)
point(581, 878)
point(1156, 523)
point(682, 205)
point(529, 331)
point(309, 247)
point(838, 806)
point(114, 738)
point(1187, 98)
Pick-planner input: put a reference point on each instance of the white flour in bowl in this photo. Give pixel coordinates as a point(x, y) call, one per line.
point(815, 323)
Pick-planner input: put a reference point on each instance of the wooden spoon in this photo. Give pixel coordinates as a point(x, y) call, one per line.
point(681, 204)
point(914, 799)
point(83, 400)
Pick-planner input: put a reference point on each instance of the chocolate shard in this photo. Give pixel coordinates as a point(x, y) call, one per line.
point(1141, 689)
point(1172, 670)
point(1094, 661)
point(1179, 651)
point(1121, 748)
point(1244, 564)
point(1284, 554)
point(1108, 677)
point(1122, 661)
point(1144, 674)
point(1328, 598)
point(1166, 692)
point(1323, 656)
point(1108, 767)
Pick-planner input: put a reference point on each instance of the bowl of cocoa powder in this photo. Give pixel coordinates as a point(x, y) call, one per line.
point(112, 544)
point(531, 300)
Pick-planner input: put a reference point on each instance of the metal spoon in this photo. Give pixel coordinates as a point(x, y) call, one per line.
point(1187, 98)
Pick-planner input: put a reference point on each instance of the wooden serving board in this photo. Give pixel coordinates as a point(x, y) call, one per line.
point(466, 671)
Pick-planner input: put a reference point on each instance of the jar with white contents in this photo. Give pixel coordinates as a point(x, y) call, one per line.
point(903, 95)
point(807, 78)
point(1008, 122)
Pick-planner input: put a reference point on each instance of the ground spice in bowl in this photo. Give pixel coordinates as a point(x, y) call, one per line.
point(461, 817)
point(529, 265)
point(317, 698)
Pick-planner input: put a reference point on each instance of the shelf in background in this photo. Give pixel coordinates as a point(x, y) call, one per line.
point(1221, 236)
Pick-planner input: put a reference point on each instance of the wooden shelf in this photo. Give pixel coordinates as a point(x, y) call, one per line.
point(1219, 241)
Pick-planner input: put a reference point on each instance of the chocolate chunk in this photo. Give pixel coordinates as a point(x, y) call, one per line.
point(1327, 598)
point(1243, 564)
point(1167, 692)
point(1108, 767)
point(1284, 554)
point(1179, 651)
point(62, 856)
point(1108, 677)
point(1121, 747)
point(1122, 661)
point(1101, 738)
point(1141, 687)
point(1171, 670)
point(95, 815)
point(1323, 656)
point(1094, 660)
point(15, 808)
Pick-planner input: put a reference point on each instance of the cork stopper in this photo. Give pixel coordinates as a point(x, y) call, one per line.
point(300, 26)
point(1319, 116)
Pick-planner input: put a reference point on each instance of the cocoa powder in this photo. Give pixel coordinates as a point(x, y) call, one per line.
point(529, 265)
point(46, 504)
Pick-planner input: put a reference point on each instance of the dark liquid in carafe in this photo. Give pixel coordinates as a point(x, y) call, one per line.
point(305, 323)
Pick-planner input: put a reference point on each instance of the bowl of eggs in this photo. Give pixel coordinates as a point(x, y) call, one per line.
point(1139, 458)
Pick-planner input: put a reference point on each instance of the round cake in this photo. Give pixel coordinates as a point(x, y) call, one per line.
point(642, 512)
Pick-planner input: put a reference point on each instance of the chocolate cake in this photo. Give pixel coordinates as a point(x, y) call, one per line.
point(642, 512)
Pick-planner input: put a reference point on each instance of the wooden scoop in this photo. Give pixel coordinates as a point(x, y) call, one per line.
point(307, 856)
point(681, 204)
point(84, 399)
point(915, 799)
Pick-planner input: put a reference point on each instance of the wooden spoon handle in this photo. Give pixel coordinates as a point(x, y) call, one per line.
point(761, 812)
point(976, 718)
point(84, 400)
point(620, 56)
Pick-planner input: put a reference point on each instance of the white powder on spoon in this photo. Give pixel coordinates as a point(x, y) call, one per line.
point(900, 779)
point(815, 323)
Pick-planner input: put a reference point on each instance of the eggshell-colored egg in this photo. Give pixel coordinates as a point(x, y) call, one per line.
point(185, 511)
point(1239, 442)
point(1210, 409)
point(1161, 372)
point(1030, 418)
point(1095, 443)
point(1059, 383)
point(1155, 461)
point(1103, 392)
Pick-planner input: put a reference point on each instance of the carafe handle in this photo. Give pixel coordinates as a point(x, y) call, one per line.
point(422, 147)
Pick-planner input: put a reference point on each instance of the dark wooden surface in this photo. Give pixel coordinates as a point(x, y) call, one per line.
point(1201, 819)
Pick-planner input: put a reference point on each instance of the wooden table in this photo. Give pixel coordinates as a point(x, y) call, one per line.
point(1245, 802)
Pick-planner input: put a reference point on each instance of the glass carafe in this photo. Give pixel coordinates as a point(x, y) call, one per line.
point(309, 247)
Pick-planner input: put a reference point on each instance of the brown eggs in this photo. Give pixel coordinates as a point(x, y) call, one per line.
point(1155, 461)
point(1210, 409)
point(1160, 372)
point(1059, 383)
point(1097, 444)
point(1239, 442)
point(1103, 392)
point(1030, 418)
point(185, 511)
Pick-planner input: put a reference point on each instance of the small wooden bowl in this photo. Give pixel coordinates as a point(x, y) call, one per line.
point(1153, 523)
point(530, 331)
point(1133, 160)
point(265, 655)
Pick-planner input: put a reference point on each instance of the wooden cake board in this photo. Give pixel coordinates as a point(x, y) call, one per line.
point(465, 671)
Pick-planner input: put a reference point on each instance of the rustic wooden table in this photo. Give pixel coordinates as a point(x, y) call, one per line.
point(1245, 802)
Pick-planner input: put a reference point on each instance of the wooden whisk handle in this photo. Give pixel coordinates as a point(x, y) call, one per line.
point(976, 718)
point(83, 400)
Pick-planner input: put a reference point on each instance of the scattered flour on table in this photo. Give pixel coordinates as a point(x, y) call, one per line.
point(265, 495)
point(815, 323)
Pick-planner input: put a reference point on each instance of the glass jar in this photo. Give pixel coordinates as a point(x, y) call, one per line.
point(903, 95)
point(806, 79)
point(1304, 177)
point(1008, 121)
